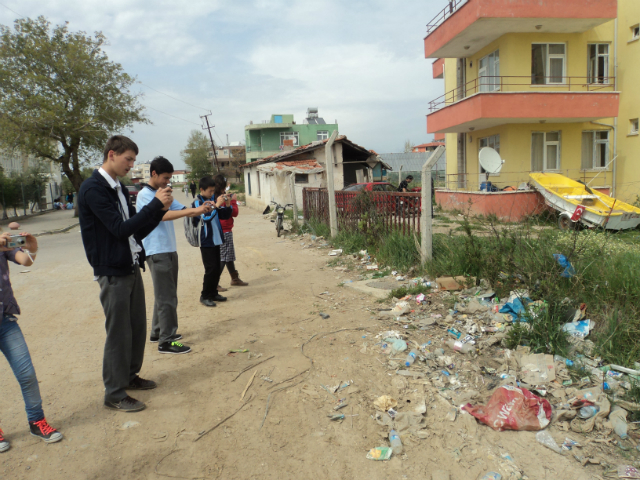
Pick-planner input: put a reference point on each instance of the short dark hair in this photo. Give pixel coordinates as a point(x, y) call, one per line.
point(119, 144)
point(409, 177)
point(206, 182)
point(160, 165)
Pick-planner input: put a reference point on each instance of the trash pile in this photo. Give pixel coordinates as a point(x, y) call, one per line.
point(451, 340)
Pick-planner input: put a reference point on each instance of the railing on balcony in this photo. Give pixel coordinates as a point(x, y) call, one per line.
point(450, 9)
point(510, 181)
point(500, 84)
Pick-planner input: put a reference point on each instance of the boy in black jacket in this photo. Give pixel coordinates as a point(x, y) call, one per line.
point(112, 234)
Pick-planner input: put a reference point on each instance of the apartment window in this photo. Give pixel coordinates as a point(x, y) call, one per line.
point(635, 32)
point(289, 136)
point(598, 69)
point(548, 63)
point(249, 182)
point(489, 71)
point(595, 149)
point(492, 142)
point(301, 178)
point(545, 151)
point(634, 126)
point(323, 134)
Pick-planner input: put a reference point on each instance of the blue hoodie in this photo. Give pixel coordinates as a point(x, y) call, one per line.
point(212, 232)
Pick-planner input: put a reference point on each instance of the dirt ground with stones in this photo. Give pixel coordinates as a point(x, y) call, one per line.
point(281, 428)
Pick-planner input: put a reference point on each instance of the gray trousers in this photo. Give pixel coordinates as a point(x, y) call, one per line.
point(122, 299)
point(164, 272)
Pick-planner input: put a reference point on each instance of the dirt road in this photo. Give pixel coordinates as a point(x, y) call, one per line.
point(274, 316)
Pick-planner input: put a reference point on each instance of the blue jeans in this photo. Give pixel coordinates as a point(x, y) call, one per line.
point(14, 347)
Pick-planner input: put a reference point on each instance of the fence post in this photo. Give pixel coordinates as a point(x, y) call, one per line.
point(292, 188)
point(328, 155)
point(24, 206)
point(426, 248)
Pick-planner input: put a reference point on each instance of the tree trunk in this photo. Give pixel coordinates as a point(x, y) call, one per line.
point(74, 175)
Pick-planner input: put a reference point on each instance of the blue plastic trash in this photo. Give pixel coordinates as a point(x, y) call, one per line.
point(569, 271)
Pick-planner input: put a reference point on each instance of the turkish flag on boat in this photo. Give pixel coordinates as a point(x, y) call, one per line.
point(577, 215)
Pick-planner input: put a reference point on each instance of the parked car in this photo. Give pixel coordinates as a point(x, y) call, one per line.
point(371, 187)
point(133, 192)
point(386, 204)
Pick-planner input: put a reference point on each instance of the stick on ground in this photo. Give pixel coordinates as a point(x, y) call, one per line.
point(248, 385)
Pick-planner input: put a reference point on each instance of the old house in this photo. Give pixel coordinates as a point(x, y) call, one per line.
point(267, 180)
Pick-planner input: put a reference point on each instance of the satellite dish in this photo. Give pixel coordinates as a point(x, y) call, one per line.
point(490, 160)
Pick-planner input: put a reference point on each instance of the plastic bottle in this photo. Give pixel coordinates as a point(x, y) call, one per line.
point(411, 357)
point(396, 444)
point(566, 361)
point(588, 412)
point(459, 346)
point(610, 384)
point(618, 418)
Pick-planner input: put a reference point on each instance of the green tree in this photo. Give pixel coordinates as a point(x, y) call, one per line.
point(60, 96)
point(67, 186)
point(196, 156)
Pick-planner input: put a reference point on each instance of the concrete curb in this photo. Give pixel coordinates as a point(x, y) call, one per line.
point(59, 230)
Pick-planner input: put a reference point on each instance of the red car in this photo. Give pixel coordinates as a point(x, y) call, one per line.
point(371, 187)
point(389, 204)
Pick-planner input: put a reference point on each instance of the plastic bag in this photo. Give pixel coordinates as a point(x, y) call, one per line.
point(512, 408)
point(547, 440)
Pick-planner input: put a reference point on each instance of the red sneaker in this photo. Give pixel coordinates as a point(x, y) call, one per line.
point(45, 431)
point(4, 445)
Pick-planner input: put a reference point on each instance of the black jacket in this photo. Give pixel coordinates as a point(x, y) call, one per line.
point(105, 234)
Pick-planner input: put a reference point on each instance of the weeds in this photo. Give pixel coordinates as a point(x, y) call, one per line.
point(413, 290)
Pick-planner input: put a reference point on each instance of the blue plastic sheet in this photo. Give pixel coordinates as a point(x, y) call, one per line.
point(516, 309)
point(569, 271)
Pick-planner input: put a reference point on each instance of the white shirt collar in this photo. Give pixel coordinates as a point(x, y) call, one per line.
point(114, 183)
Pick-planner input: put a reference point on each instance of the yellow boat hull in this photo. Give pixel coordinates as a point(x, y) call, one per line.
point(600, 210)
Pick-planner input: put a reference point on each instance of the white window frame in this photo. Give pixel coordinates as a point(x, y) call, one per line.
point(595, 141)
point(322, 135)
point(545, 144)
point(483, 72)
point(633, 126)
point(590, 74)
point(547, 63)
point(492, 141)
point(288, 136)
point(635, 32)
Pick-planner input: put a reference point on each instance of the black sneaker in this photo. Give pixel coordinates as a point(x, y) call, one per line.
point(174, 347)
point(207, 303)
point(141, 384)
point(174, 338)
point(220, 298)
point(4, 444)
point(127, 404)
point(45, 431)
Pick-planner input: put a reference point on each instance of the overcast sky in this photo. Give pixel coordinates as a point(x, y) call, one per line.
point(360, 62)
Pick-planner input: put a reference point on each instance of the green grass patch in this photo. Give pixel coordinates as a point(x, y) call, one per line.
point(413, 290)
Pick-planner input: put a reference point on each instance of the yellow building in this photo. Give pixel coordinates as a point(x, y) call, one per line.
point(549, 84)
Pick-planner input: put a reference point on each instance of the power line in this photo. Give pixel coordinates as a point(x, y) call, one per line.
point(188, 121)
point(22, 16)
point(179, 100)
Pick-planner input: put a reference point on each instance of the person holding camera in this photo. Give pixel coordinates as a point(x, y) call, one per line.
point(12, 342)
point(112, 234)
point(162, 257)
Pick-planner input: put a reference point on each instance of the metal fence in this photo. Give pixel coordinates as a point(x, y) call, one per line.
point(389, 211)
point(20, 199)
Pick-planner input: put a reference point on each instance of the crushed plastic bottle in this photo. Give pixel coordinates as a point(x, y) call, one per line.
point(588, 412)
point(566, 361)
point(618, 418)
point(491, 476)
point(411, 357)
point(547, 440)
point(396, 443)
point(459, 346)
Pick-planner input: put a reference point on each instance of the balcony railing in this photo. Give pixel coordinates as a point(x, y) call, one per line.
point(495, 84)
point(446, 12)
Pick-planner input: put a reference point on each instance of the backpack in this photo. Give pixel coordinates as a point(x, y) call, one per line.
point(193, 232)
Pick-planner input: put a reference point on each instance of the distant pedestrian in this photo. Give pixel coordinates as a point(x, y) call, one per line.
point(13, 345)
point(70, 197)
point(403, 188)
point(192, 187)
point(112, 234)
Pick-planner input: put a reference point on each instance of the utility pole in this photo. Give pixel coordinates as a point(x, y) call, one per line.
point(426, 217)
point(213, 145)
point(328, 165)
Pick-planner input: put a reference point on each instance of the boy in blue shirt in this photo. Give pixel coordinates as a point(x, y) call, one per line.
point(162, 258)
point(211, 239)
